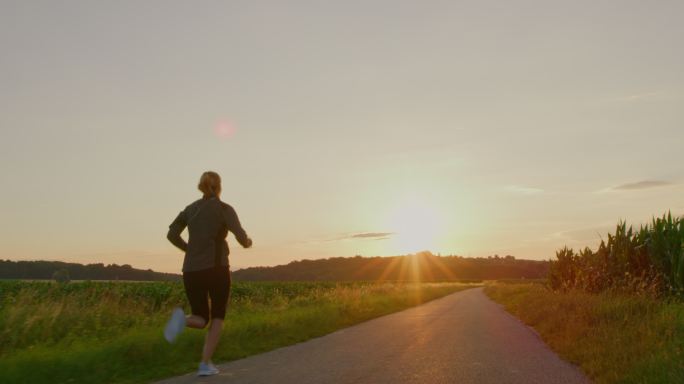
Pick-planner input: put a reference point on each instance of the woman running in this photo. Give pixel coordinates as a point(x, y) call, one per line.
point(206, 272)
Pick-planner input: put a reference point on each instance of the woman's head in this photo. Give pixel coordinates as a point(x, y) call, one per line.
point(210, 184)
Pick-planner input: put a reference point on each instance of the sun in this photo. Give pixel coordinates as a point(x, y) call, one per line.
point(417, 225)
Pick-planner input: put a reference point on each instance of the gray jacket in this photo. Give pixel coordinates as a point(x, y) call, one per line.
point(208, 220)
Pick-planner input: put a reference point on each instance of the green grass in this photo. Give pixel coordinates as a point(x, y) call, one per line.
point(95, 332)
point(614, 338)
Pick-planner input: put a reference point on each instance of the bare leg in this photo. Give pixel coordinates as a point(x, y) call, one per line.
point(193, 321)
point(212, 339)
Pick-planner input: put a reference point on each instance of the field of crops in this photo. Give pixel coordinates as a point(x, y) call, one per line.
point(112, 331)
point(39, 313)
point(647, 261)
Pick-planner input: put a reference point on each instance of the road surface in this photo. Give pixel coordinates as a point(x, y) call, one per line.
point(461, 338)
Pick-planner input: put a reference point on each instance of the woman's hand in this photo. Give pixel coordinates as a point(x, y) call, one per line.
point(247, 243)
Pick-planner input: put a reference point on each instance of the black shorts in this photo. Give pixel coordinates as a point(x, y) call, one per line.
point(211, 283)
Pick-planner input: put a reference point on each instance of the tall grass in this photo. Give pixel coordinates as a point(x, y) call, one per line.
point(645, 261)
point(613, 337)
point(94, 332)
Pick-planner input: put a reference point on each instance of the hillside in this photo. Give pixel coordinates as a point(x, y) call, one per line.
point(420, 267)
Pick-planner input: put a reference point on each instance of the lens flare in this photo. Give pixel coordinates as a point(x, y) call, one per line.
point(224, 129)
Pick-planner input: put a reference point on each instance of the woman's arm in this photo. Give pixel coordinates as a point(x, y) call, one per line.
point(234, 226)
point(175, 230)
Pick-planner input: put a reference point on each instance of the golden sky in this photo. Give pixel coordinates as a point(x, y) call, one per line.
point(339, 128)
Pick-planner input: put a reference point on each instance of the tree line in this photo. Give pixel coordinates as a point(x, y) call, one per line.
point(39, 270)
point(422, 266)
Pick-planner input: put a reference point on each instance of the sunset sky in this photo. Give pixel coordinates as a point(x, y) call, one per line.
point(339, 128)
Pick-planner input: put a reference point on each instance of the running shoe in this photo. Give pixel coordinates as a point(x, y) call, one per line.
point(207, 369)
point(175, 326)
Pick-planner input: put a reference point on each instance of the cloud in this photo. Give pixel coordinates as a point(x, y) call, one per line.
point(524, 190)
point(369, 235)
point(350, 236)
point(644, 184)
point(636, 97)
point(364, 236)
point(584, 235)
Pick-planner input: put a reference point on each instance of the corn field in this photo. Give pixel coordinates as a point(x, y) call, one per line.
point(644, 261)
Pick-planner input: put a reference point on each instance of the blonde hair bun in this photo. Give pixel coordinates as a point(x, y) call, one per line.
point(210, 184)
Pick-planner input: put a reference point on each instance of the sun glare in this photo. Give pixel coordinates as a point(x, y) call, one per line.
point(417, 226)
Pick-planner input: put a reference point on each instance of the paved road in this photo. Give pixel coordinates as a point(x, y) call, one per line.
point(461, 338)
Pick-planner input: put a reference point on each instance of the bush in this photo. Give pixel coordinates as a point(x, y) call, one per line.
point(61, 276)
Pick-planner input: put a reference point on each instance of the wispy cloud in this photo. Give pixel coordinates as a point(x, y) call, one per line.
point(636, 97)
point(366, 236)
point(640, 96)
point(644, 184)
point(584, 235)
point(523, 190)
point(370, 235)
point(353, 236)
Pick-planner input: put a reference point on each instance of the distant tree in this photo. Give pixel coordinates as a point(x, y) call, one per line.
point(61, 276)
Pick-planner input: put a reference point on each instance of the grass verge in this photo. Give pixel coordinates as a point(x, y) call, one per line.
point(112, 332)
point(613, 338)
